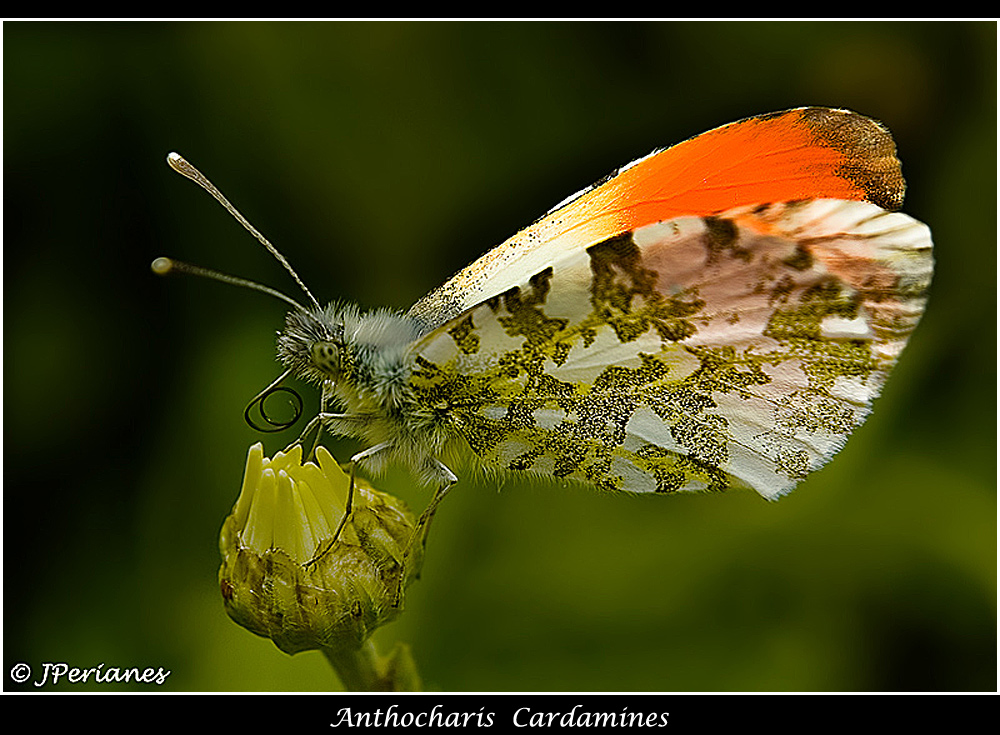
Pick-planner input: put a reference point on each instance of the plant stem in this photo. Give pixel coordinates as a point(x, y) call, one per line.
point(363, 670)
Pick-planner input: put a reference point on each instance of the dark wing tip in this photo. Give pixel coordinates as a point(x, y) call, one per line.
point(868, 151)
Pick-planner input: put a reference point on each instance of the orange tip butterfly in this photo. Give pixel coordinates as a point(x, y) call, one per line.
point(721, 313)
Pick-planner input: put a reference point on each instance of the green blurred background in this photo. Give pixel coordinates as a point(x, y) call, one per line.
point(381, 158)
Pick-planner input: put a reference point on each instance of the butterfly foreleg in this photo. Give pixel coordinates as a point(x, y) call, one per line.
point(324, 402)
point(315, 424)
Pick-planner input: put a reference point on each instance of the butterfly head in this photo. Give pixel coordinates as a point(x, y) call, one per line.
point(312, 344)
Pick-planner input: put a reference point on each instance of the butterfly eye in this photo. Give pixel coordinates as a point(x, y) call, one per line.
point(326, 357)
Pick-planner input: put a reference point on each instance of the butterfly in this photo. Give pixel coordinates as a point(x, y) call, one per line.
point(720, 313)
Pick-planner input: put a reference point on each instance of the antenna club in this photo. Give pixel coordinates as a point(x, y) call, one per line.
point(180, 164)
point(162, 266)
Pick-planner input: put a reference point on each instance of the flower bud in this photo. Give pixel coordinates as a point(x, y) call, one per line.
point(286, 577)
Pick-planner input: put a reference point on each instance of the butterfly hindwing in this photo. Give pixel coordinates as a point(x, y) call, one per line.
point(739, 349)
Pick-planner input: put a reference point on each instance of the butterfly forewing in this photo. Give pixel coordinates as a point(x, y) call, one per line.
point(800, 154)
point(739, 349)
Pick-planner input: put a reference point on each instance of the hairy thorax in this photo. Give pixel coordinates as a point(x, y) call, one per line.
point(362, 363)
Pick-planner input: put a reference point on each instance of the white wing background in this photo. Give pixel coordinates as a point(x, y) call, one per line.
point(696, 353)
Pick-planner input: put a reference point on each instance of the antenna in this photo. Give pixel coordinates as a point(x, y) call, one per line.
point(181, 166)
point(167, 266)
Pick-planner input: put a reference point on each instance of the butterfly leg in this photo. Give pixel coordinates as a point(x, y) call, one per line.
point(315, 424)
point(324, 400)
point(302, 437)
point(349, 506)
point(418, 539)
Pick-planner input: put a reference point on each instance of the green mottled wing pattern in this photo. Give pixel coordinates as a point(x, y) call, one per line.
point(739, 350)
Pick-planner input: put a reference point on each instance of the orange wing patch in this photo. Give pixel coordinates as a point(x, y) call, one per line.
point(801, 154)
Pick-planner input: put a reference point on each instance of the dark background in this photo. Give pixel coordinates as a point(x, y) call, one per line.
point(381, 158)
